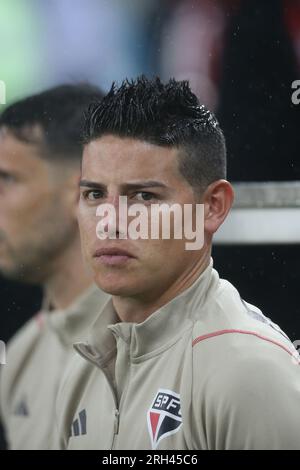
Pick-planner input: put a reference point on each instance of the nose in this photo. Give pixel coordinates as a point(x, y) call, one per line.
point(113, 222)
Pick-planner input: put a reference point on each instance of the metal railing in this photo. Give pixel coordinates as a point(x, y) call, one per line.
point(263, 213)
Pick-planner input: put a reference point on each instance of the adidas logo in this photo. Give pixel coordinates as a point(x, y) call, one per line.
point(21, 409)
point(79, 424)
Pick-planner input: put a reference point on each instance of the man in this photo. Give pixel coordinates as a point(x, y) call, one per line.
point(179, 360)
point(40, 154)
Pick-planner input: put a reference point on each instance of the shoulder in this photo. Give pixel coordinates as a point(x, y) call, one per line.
point(228, 322)
point(25, 338)
point(246, 376)
point(235, 347)
point(236, 356)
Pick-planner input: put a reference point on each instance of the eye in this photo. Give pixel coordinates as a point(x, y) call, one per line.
point(145, 196)
point(92, 195)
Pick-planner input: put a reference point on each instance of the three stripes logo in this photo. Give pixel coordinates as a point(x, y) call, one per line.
point(164, 416)
point(79, 425)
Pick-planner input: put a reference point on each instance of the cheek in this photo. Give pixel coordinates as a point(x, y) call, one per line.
point(27, 200)
point(18, 213)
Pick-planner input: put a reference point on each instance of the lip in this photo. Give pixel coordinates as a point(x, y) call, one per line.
point(113, 256)
point(112, 252)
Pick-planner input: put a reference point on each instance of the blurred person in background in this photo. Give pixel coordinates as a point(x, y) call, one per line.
point(40, 151)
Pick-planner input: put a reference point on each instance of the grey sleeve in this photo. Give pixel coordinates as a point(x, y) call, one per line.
point(250, 399)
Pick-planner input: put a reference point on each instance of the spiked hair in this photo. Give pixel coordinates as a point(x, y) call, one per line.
point(167, 115)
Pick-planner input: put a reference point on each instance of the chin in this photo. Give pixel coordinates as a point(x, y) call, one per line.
point(116, 285)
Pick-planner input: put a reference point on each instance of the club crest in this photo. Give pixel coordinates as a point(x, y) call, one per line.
point(164, 416)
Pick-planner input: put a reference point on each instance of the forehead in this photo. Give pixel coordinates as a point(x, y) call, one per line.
point(118, 159)
point(18, 156)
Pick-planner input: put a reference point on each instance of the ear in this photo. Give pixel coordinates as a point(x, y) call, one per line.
point(217, 199)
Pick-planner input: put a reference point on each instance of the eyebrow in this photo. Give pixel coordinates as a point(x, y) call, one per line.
point(133, 185)
point(90, 184)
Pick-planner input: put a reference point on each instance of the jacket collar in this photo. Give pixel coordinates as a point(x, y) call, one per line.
point(158, 332)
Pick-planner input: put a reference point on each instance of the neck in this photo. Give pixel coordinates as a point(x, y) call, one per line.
point(137, 310)
point(68, 279)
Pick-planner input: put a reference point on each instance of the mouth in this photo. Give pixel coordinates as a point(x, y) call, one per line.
point(113, 256)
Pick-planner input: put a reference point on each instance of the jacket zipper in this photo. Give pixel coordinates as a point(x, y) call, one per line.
point(116, 427)
point(117, 412)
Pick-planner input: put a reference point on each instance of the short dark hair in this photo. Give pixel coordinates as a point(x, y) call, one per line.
point(167, 115)
point(58, 112)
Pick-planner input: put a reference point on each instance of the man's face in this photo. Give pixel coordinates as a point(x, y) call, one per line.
point(34, 222)
point(113, 167)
